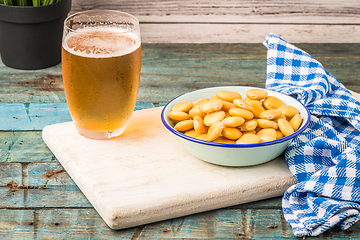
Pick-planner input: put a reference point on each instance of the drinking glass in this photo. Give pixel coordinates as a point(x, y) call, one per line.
point(101, 65)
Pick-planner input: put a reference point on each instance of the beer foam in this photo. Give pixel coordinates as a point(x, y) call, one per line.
point(102, 42)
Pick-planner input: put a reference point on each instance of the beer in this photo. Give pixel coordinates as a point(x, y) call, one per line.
point(101, 75)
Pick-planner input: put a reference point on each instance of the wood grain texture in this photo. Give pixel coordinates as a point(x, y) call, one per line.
point(85, 223)
point(38, 185)
point(328, 9)
point(57, 224)
point(169, 70)
point(36, 116)
point(43, 86)
point(146, 175)
point(248, 33)
point(24, 147)
point(239, 21)
point(190, 67)
point(232, 224)
point(48, 185)
point(10, 175)
point(55, 208)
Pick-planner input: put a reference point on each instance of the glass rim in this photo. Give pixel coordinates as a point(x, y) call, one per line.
point(136, 21)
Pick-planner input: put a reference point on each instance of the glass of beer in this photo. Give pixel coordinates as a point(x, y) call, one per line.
point(101, 65)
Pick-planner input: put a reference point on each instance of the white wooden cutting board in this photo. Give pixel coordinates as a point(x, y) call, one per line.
point(146, 175)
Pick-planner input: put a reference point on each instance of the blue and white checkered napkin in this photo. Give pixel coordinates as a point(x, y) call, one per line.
point(325, 158)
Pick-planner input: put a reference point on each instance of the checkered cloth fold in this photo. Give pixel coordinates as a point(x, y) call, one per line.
point(325, 158)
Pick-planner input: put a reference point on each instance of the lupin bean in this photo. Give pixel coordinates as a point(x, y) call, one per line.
point(184, 126)
point(248, 126)
point(248, 132)
point(196, 111)
point(202, 137)
point(243, 104)
point(222, 139)
point(288, 111)
point(233, 121)
point(227, 114)
point(264, 123)
point(256, 94)
point(257, 109)
point(270, 114)
point(213, 117)
point(179, 116)
point(266, 134)
point(228, 95)
point(199, 125)
point(211, 106)
point(272, 102)
point(248, 139)
point(227, 106)
point(191, 133)
point(279, 134)
point(199, 102)
point(228, 118)
point(231, 133)
point(296, 121)
point(183, 106)
point(239, 112)
point(214, 131)
point(285, 127)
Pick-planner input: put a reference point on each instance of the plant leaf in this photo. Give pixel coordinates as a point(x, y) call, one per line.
point(21, 3)
point(28, 2)
point(8, 2)
point(36, 3)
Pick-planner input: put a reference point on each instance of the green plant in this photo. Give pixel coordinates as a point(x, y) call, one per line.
point(25, 3)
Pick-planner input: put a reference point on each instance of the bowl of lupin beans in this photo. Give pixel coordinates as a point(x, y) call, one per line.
point(235, 125)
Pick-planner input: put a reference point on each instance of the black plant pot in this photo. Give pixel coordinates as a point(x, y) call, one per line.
point(30, 37)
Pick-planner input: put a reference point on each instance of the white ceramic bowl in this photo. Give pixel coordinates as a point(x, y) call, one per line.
point(233, 154)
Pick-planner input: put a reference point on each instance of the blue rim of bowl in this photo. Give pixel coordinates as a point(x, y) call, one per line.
point(214, 144)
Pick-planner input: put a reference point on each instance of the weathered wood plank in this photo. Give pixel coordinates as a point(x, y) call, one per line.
point(219, 224)
point(53, 187)
point(36, 116)
point(24, 147)
point(257, 18)
point(169, 70)
point(33, 116)
point(193, 66)
point(290, 11)
point(273, 203)
point(31, 86)
point(10, 174)
point(65, 196)
point(239, 21)
point(47, 175)
point(16, 224)
point(57, 224)
point(78, 224)
point(261, 217)
point(47, 184)
point(233, 224)
point(37, 185)
point(248, 33)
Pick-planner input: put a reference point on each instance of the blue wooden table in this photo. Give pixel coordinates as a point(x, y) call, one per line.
point(38, 199)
